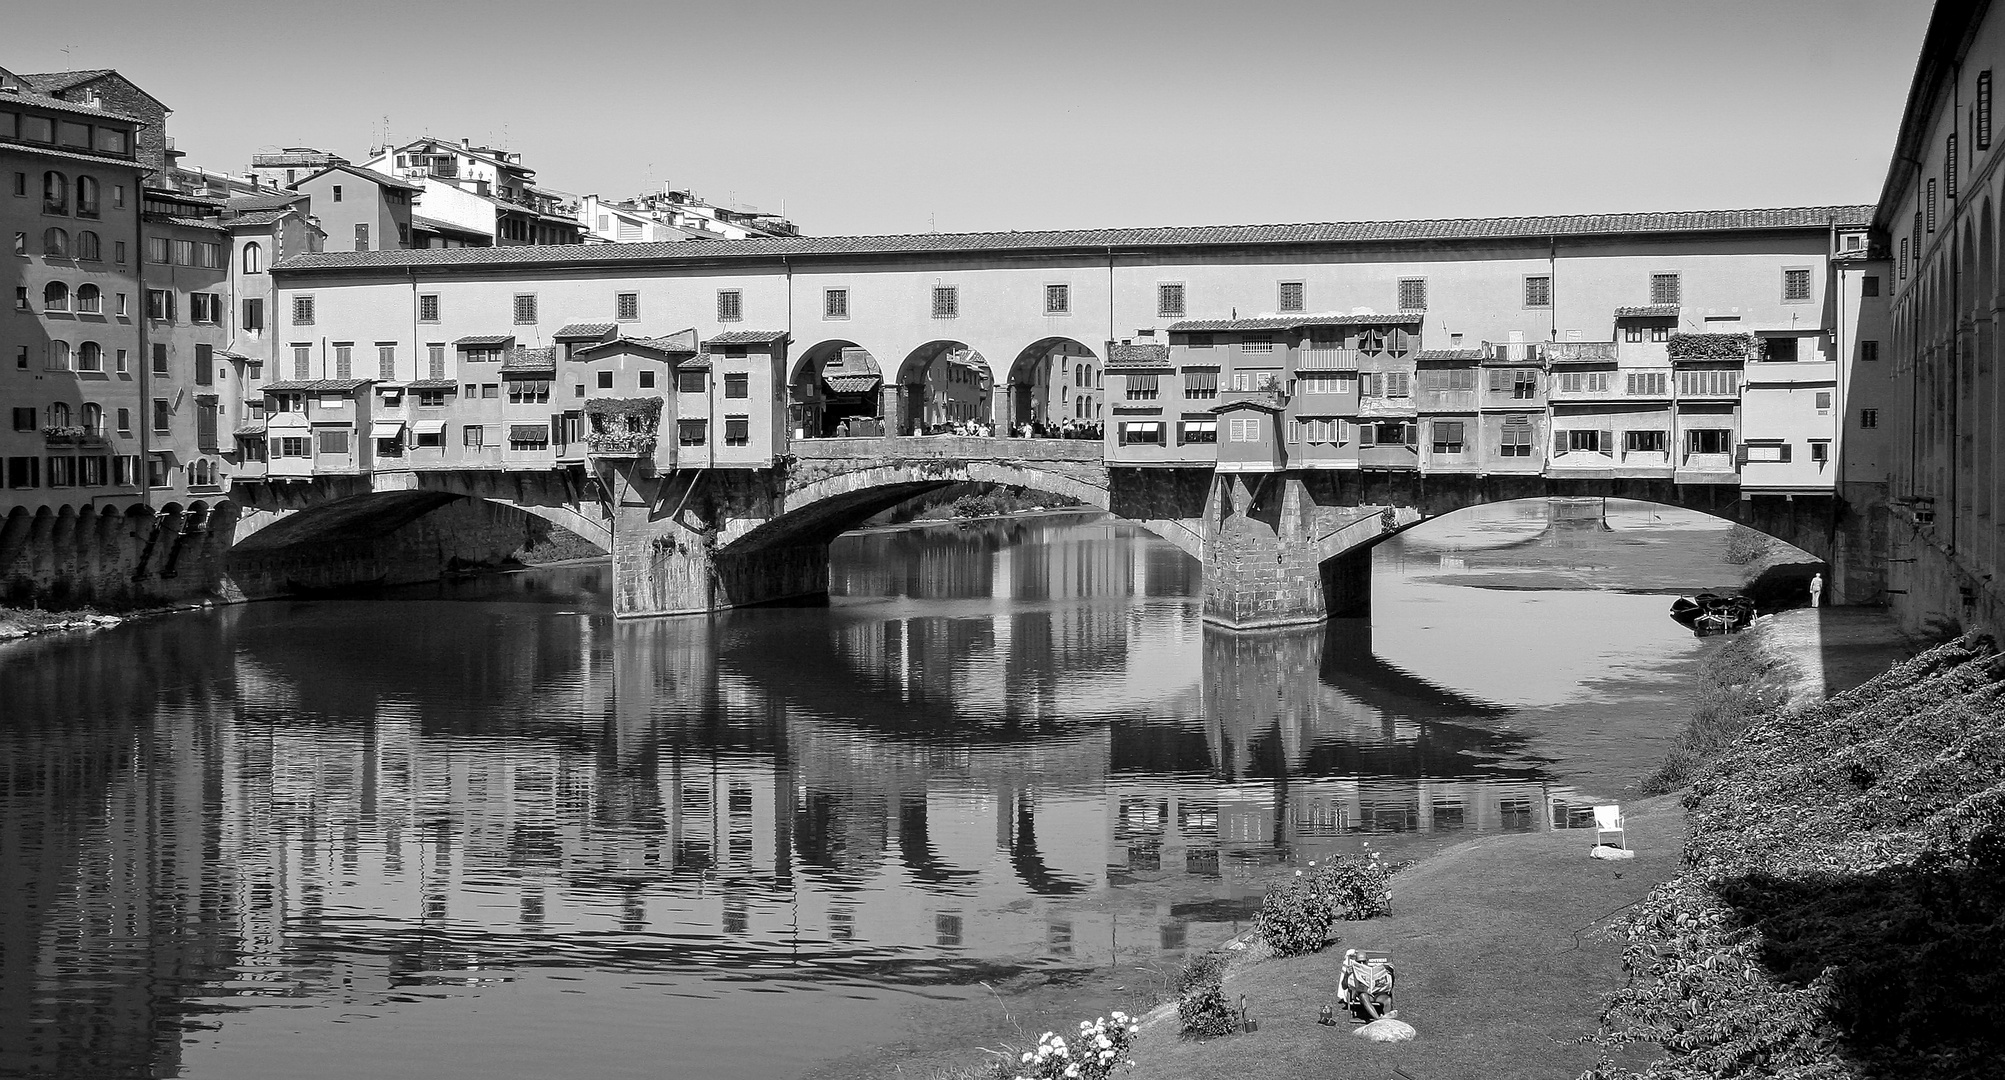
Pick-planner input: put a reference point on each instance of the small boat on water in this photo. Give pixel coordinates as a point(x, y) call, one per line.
point(1711, 613)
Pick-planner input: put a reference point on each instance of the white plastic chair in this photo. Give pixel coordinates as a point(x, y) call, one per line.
point(1608, 819)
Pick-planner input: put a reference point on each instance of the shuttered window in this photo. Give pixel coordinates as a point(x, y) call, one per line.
point(1413, 294)
point(1982, 120)
point(1448, 436)
point(1664, 289)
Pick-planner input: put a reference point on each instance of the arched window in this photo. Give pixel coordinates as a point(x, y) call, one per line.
point(59, 415)
point(254, 259)
point(56, 296)
point(93, 415)
point(56, 242)
point(90, 357)
point(86, 196)
point(55, 193)
point(59, 355)
point(90, 300)
point(89, 246)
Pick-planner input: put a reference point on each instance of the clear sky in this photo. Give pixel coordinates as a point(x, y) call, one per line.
point(902, 116)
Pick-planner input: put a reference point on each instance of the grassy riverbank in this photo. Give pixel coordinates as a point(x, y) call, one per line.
point(27, 622)
point(1842, 910)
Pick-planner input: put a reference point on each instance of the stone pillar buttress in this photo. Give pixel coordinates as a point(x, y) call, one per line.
point(1261, 564)
point(667, 559)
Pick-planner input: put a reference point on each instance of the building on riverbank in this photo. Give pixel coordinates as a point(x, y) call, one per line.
point(1939, 215)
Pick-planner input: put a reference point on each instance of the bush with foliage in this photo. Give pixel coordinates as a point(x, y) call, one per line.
point(1297, 915)
point(1201, 1006)
point(1101, 1047)
point(1842, 909)
point(1717, 347)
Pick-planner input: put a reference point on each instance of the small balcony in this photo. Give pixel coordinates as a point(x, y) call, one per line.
point(72, 435)
point(1579, 352)
point(621, 444)
point(622, 427)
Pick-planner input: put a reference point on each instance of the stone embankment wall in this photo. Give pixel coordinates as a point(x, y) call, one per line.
point(115, 560)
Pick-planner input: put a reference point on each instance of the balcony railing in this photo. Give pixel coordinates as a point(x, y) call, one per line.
point(1579, 352)
point(1326, 358)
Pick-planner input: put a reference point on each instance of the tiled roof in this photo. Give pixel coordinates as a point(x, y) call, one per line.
point(254, 218)
point(1353, 232)
point(1450, 354)
point(543, 358)
point(1142, 355)
point(851, 361)
point(748, 337)
point(1651, 311)
point(584, 330)
point(310, 386)
point(40, 98)
point(1293, 322)
point(486, 339)
point(263, 202)
point(419, 221)
point(196, 223)
point(254, 428)
point(434, 384)
point(671, 343)
point(695, 362)
point(315, 158)
point(71, 155)
point(55, 82)
point(380, 179)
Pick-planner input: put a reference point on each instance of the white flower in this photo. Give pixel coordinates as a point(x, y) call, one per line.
point(1026, 1057)
point(1072, 1070)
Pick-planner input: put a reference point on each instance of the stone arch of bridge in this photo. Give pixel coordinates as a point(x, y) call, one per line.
point(370, 516)
point(1039, 376)
point(822, 509)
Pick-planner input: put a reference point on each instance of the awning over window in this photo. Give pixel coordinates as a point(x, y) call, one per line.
point(1198, 426)
point(1142, 382)
point(386, 429)
point(851, 384)
point(1206, 379)
point(529, 433)
point(430, 427)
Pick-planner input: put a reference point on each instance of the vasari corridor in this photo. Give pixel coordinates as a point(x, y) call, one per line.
point(977, 612)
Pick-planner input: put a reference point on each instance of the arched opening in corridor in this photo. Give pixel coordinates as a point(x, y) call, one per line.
point(944, 386)
point(1054, 388)
point(836, 390)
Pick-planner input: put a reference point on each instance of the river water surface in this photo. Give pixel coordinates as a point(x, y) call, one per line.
point(483, 830)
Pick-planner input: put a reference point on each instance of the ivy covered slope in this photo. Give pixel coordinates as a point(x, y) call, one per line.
point(1842, 909)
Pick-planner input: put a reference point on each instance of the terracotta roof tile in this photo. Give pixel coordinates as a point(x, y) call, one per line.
point(315, 385)
point(41, 98)
point(580, 331)
point(543, 358)
point(434, 384)
point(486, 339)
point(1354, 232)
point(1650, 311)
point(1295, 322)
point(281, 200)
point(1450, 354)
point(748, 337)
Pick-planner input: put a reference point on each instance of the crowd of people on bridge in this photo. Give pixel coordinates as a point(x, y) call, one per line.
point(859, 427)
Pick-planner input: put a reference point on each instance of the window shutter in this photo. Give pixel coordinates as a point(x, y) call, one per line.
point(1558, 442)
point(1412, 434)
point(1367, 435)
point(1496, 380)
point(1607, 444)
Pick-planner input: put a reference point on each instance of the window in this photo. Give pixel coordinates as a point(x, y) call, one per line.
point(835, 304)
point(254, 258)
point(1516, 438)
point(89, 247)
point(606, 379)
point(1169, 300)
point(291, 446)
point(1931, 206)
point(1869, 352)
point(1981, 122)
point(160, 305)
point(473, 436)
point(56, 296)
point(24, 418)
point(1820, 451)
point(1538, 291)
point(1319, 384)
point(1142, 433)
point(626, 306)
point(737, 386)
point(162, 416)
point(55, 193)
point(302, 361)
point(1198, 431)
point(1256, 343)
point(435, 360)
point(344, 359)
point(431, 399)
point(59, 356)
point(689, 432)
point(87, 196)
point(1708, 383)
point(528, 391)
point(21, 298)
point(1577, 442)
point(1243, 429)
point(730, 305)
point(1823, 402)
point(1708, 441)
point(205, 365)
point(946, 301)
point(1292, 296)
point(337, 193)
point(1448, 436)
point(1058, 299)
point(24, 472)
point(1869, 285)
point(1649, 383)
point(737, 431)
point(1795, 286)
point(428, 307)
point(56, 243)
point(118, 252)
point(525, 308)
point(1632, 334)
point(21, 244)
point(125, 421)
point(1201, 385)
point(431, 438)
point(1664, 289)
point(254, 314)
point(1643, 442)
point(332, 440)
point(302, 311)
point(1413, 294)
point(205, 307)
point(1141, 388)
point(386, 361)
point(183, 252)
point(1869, 418)
point(1949, 167)
point(689, 382)
point(62, 471)
point(1904, 258)
point(121, 362)
point(490, 391)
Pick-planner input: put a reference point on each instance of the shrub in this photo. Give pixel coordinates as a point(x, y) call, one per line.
point(1296, 916)
point(1744, 545)
point(1101, 1048)
point(1201, 1005)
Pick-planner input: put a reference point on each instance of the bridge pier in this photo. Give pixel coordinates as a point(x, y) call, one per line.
point(669, 556)
point(1281, 551)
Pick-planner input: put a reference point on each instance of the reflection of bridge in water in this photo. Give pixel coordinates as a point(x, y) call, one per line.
point(373, 801)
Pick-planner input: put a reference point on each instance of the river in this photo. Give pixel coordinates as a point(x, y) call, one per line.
point(482, 830)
